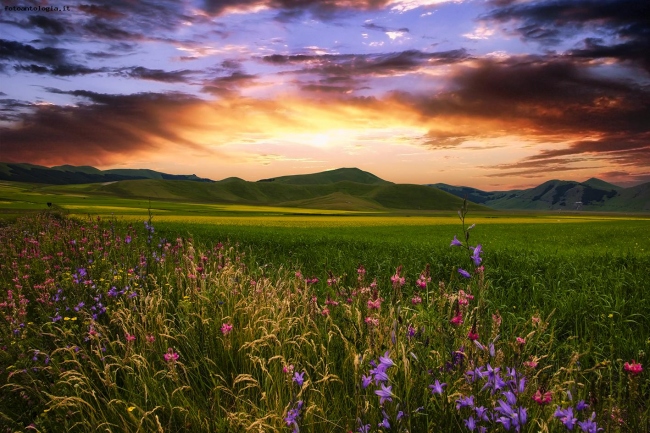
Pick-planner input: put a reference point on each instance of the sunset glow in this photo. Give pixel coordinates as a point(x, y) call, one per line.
point(495, 94)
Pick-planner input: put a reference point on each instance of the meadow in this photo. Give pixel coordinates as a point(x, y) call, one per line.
point(282, 321)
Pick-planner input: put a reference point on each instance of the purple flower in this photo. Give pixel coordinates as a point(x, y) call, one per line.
point(481, 413)
point(363, 428)
point(470, 423)
point(299, 378)
point(566, 417)
point(385, 393)
point(465, 402)
point(365, 381)
point(380, 376)
point(476, 255)
point(455, 242)
point(464, 273)
point(385, 362)
point(589, 426)
point(384, 423)
point(127, 239)
point(581, 405)
point(292, 417)
point(437, 387)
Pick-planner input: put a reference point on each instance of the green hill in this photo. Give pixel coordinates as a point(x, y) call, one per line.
point(70, 174)
point(330, 176)
point(343, 195)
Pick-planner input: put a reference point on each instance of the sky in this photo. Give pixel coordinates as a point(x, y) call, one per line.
point(493, 94)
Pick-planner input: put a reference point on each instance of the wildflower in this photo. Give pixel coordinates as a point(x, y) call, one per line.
point(566, 417)
point(476, 255)
point(464, 273)
point(226, 328)
point(127, 239)
point(325, 312)
point(465, 402)
point(437, 387)
point(292, 416)
point(372, 321)
point(588, 425)
point(129, 337)
point(130, 408)
point(455, 242)
point(365, 381)
point(384, 423)
point(287, 369)
point(415, 300)
point(363, 428)
point(473, 333)
point(150, 338)
point(411, 331)
point(633, 368)
point(385, 362)
point(457, 320)
point(521, 341)
point(470, 423)
point(299, 378)
point(385, 393)
point(542, 398)
point(481, 413)
point(581, 405)
point(171, 356)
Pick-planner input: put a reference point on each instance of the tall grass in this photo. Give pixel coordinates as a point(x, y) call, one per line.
point(110, 327)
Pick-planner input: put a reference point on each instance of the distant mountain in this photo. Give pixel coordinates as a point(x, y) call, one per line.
point(593, 194)
point(329, 177)
point(70, 174)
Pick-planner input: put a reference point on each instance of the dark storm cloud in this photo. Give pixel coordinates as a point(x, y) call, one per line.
point(546, 98)
point(101, 130)
point(143, 73)
point(548, 93)
point(627, 21)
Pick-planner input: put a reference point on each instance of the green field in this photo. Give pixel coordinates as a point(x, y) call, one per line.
point(582, 279)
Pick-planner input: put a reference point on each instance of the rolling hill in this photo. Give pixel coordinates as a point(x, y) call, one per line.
point(591, 195)
point(330, 176)
point(69, 174)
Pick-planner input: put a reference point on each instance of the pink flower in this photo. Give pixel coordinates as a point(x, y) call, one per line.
point(542, 398)
point(226, 328)
point(171, 356)
point(129, 337)
point(325, 312)
point(634, 368)
point(150, 338)
point(457, 320)
point(372, 321)
point(521, 341)
point(415, 300)
point(287, 369)
point(374, 305)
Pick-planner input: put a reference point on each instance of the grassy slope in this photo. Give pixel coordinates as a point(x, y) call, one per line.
point(341, 195)
point(332, 176)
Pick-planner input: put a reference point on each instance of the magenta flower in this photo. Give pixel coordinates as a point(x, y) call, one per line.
point(633, 368)
point(171, 356)
point(226, 328)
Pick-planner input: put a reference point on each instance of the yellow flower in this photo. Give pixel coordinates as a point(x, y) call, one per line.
point(74, 318)
point(611, 316)
point(130, 408)
point(66, 318)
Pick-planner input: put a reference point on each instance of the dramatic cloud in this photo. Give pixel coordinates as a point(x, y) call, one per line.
point(104, 131)
point(626, 23)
